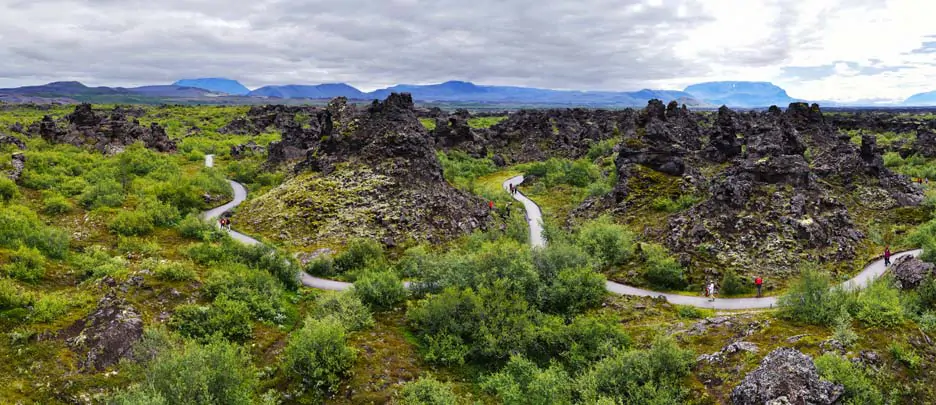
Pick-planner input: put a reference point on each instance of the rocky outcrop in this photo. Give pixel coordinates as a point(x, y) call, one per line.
point(12, 140)
point(18, 161)
point(106, 335)
point(102, 131)
point(773, 183)
point(785, 375)
point(369, 172)
point(249, 148)
point(910, 271)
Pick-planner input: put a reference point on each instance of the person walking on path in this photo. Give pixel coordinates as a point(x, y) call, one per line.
point(491, 205)
point(759, 283)
point(710, 291)
point(887, 256)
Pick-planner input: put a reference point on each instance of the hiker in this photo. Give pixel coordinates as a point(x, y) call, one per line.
point(511, 186)
point(491, 205)
point(221, 222)
point(759, 283)
point(887, 256)
point(710, 291)
point(507, 209)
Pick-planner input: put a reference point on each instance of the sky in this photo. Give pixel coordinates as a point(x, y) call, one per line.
point(843, 50)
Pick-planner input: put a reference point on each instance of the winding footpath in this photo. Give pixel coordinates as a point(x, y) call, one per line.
point(535, 219)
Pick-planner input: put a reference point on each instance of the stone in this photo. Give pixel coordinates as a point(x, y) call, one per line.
point(18, 161)
point(910, 271)
point(786, 373)
point(106, 335)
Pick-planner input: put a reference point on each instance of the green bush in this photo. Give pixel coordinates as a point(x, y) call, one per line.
point(318, 355)
point(427, 391)
point(346, 307)
point(731, 284)
point(662, 270)
point(131, 223)
point(8, 189)
point(860, 389)
point(842, 330)
point(580, 343)
point(21, 226)
point(640, 376)
point(131, 245)
point(13, 296)
point(689, 312)
point(96, 263)
point(574, 291)
point(380, 289)
point(359, 254)
point(809, 299)
point(160, 213)
point(608, 243)
point(905, 355)
point(26, 264)
point(258, 289)
point(174, 271)
point(522, 382)
point(225, 317)
point(681, 203)
point(879, 305)
point(194, 227)
point(54, 203)
point(49, 307)
point(194, 374)
point(556, 257)
point(104, 193)
point(323, 266)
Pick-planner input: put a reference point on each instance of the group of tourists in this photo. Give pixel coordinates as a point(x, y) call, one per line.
point(513, 189)
point(225, 223)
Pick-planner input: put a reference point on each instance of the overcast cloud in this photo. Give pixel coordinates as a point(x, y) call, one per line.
point(817, 49)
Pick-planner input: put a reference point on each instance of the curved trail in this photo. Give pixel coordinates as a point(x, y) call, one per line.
point(534, 217)
point(535, 220)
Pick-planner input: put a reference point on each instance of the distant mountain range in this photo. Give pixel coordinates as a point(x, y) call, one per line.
point(227, 91)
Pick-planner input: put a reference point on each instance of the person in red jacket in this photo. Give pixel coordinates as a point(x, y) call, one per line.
point(759, 283)
point(887, 255)
point(491, 204)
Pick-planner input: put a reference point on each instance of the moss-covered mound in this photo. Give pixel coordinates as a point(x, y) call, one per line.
point(370, 173)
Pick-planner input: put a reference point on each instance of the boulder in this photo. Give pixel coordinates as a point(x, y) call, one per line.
point(12, 140)
point(18, 162)
point(251, 147)
point(106, 335)
point(910, 271)
point(788, 375)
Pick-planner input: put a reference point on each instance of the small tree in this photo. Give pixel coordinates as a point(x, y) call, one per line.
point(318, 354)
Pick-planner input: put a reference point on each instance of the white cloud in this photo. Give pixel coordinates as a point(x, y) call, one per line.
point(589, 45)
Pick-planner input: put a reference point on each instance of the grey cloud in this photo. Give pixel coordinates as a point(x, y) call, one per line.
point(588, 44)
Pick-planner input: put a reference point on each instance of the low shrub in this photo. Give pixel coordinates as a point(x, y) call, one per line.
point(426, 390)
point(731, 284)
point(346, 307)
point(225, 317)
point(905, 355)
point(133, 223)
point(661, 269)
point(318, 355)
point(49, 307)
point(359, 254)
point(380, 289)
point(879, 305)
point(610, 244)
point(860, 389)
point(174, 271)
point(13, 296)
point(8, 189)
point(573, 291)
point(194, 227)
point(26, 264)
point(522, 382)
point(132, 246)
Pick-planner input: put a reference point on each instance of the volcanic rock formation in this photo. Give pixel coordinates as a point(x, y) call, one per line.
point(104, 132)
point(371, 172)
point(786, 375)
